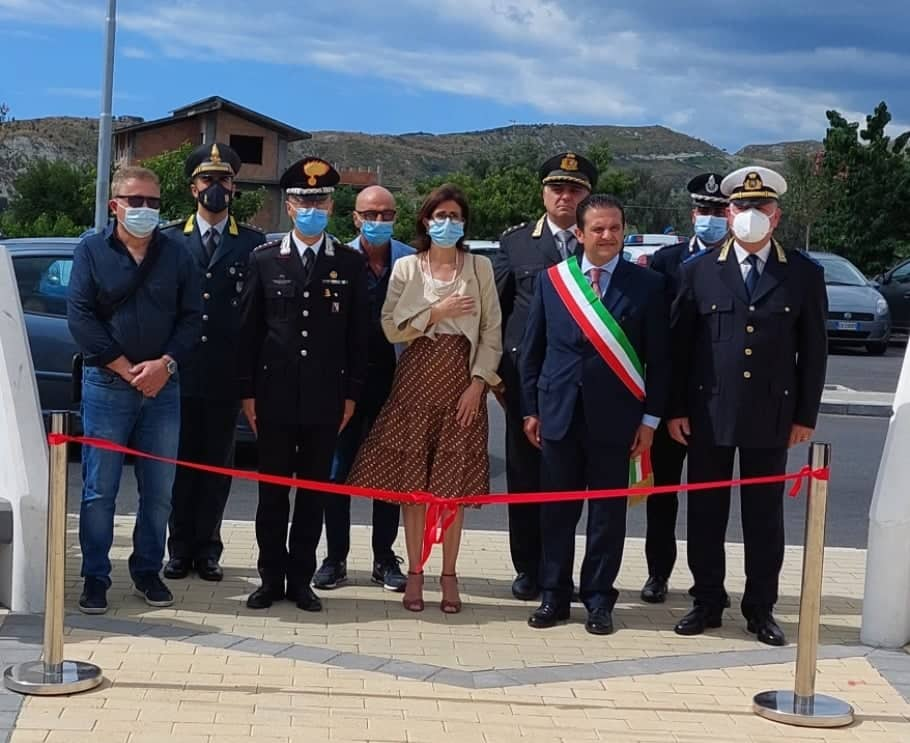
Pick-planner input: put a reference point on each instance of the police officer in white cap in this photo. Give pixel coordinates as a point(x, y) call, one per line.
point(749, 356)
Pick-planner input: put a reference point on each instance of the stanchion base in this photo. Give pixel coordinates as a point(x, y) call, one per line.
point(35, 678)
point(819, 711)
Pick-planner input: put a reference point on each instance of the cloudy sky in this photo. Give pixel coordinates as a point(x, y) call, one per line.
point(725, 72)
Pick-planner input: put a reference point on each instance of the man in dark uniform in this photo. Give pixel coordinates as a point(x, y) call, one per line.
point(594, 382)
point(709, 219)
point(305, 319)
point(209, 405)
point(749, 355)
point(525, 251)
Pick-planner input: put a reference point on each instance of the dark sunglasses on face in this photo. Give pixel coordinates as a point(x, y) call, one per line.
point(371, 215)
point(152, 202)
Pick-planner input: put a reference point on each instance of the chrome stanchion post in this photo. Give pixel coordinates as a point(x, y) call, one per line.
point(803, 706)
point(53, 674)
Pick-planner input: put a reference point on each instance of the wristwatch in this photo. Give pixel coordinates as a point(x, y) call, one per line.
point(171, 366)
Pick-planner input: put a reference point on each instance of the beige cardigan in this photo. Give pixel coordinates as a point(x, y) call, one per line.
point(406, 311)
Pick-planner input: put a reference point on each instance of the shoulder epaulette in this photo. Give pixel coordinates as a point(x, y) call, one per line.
point(254, 228)
point(269, 244)
point(512, 229)
point(344, 246)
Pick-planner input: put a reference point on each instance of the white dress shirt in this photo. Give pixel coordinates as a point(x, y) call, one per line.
point(302, 247)
point(556, 229)
point(204, 226)
point(742, 255)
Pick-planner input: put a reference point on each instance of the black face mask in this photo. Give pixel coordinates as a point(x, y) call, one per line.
point(215, 198)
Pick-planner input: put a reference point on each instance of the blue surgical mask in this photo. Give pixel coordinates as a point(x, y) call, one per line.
point(311, 222)
point(710, 229)
point(377, 233)
point(140, 221)
point(445, 233)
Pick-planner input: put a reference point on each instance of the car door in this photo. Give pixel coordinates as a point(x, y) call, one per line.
point(43, 280)
point(896, 290)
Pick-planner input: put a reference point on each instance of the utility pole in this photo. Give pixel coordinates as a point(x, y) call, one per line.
point(105, 123)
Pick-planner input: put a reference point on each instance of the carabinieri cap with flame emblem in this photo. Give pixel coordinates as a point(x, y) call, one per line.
point(311, 175)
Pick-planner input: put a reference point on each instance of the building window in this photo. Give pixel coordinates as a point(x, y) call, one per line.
point(248, 148)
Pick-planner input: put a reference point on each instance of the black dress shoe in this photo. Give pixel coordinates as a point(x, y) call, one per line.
point(525, 587)
point(698, 620)
point(599, 622)
point(177, 568)
point(307, 600)
point(209, 569)
point(766, 629)
point(264, 596)
point(654, 591)
point(548, 615)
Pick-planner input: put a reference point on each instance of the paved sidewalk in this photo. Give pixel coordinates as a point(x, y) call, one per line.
point(208, 670)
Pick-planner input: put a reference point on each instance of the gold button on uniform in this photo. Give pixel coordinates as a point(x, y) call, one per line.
point(748, 352)
point(747, 375)
point(206, 296)
point(750, 328)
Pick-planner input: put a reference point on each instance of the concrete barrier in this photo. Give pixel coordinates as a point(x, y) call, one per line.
point(23, 456)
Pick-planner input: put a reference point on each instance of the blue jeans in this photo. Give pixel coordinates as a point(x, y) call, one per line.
point(113, 410)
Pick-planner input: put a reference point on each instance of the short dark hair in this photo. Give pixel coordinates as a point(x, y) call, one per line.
point(598, 201)
point(445, 192)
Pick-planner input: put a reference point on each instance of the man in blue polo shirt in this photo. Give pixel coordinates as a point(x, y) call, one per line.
point(374, 217)
point(134, 309)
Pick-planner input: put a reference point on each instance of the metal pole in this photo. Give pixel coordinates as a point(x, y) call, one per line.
point(102, 183)
point(803, 707)
point(53, 674)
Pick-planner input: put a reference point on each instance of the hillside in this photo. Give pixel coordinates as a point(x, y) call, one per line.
point(405, 158)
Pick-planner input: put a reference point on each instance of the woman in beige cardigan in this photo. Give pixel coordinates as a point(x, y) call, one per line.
point(432, 432)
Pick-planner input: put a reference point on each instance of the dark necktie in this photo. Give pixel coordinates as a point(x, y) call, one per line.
point(752, 277)
point(210, 242)
point(308, 262)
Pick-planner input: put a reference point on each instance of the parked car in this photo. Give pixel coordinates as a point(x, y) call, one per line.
point(42, 266)
point(894, 286)
point(638, 248)
point(483, 247)
point(857, 313)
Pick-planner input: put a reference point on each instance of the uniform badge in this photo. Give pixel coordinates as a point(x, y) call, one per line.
point(327, 293)
point(285, 245)
point(333, 274)
point(238, 287)
point(336, 307)
point(711, 186)
point(330, 250)
point(753, 182)
point(569, 162)
point(232, 271)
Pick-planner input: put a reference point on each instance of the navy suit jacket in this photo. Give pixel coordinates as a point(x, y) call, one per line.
point(558, 362)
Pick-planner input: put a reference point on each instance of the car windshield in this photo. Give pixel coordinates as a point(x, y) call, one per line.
point(842, 273)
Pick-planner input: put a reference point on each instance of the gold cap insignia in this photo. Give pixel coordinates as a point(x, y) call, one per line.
point(711, 186)
point(753, 182)
point(333, 274)
point(314, 169)
point(215, 157)
point(569, 162)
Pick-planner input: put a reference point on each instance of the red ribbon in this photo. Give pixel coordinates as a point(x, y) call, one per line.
point(441, 512)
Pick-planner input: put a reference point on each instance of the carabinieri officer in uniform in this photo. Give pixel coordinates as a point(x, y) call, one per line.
point(220, 250)
point(303, 345)
point(749, 356)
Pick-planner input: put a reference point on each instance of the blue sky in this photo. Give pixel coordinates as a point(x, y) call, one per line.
point(725, 72)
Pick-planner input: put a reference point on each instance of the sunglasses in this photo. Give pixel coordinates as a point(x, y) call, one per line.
point(152, 202)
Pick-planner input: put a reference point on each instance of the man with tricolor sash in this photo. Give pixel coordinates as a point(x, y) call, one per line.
point(595, 378)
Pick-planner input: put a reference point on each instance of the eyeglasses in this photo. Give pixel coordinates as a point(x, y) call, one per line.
point(152, 202)
point(371, 215)
point(442, 216)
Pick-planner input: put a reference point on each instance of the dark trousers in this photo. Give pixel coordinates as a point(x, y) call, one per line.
point(576, 463)
point(197, 507)
point(667, 457)
point(338, 507)
point(288, 450)
point(762, 520)
point(522, 476)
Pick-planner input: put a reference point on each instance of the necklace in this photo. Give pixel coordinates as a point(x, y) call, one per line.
point(440, 287)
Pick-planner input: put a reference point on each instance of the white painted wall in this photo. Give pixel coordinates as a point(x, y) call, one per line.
point(886, 599)
point(23, 456)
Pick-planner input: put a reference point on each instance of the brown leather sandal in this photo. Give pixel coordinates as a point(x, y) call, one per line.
point(449, 606)
point(412, 603)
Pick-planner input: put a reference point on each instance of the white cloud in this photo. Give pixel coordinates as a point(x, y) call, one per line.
point(135, 52)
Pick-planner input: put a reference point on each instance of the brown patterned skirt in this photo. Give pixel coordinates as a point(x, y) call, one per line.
point(415, 443)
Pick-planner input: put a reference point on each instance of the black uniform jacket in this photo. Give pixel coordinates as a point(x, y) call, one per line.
point(745, 370)
point(303, 341)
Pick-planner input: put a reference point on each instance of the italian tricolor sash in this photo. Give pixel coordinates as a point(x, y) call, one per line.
point(611, 342)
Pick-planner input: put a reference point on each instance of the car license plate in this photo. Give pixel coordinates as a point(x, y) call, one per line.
point(841, 325)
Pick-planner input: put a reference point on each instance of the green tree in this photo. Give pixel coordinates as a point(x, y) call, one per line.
point(806, 201)
point(868, 177)
point(53, 188)
point(176, 200)
point(341, 223)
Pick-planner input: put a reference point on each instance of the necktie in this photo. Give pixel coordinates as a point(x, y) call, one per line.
point(210, 242)
point(594, 278)
point(308, 262)
point(564, 241)
point(752, 277)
